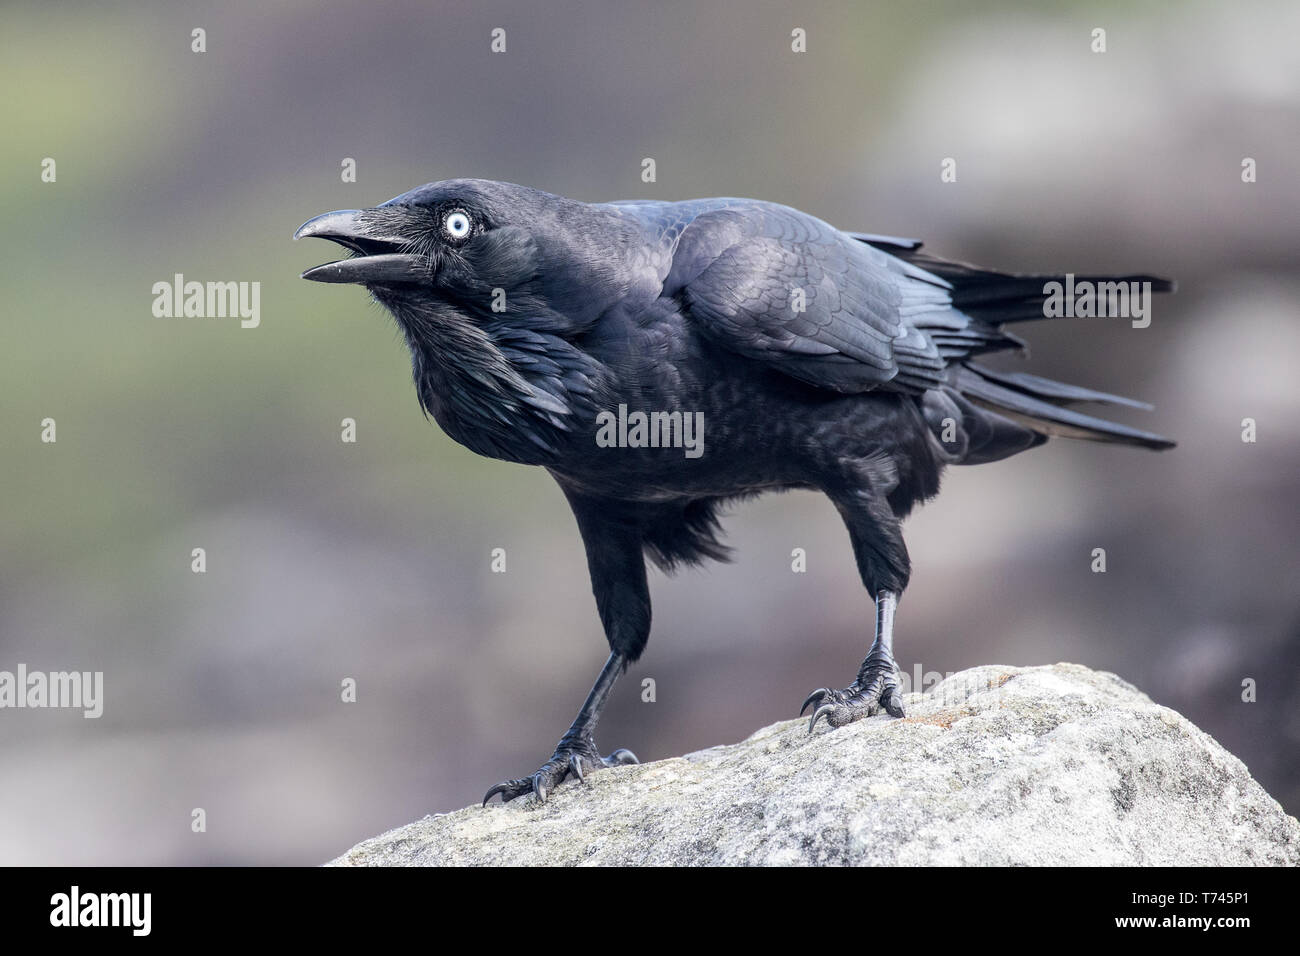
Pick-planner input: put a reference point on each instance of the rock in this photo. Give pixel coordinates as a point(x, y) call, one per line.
point(995, 766)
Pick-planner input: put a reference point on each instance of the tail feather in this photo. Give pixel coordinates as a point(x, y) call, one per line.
point(1004, 412)
point(993, 296)
point(1061, 393)
point(1043, 414)
point(1000, 297)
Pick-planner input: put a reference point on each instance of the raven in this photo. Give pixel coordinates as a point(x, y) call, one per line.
point(814, 358)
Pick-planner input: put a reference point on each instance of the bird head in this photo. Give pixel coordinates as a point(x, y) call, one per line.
point(491, 284)
point(477, 249)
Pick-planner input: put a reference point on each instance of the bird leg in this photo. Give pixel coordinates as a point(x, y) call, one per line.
point(876, 687)
point(576, 753)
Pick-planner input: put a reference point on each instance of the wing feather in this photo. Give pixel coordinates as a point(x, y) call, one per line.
point(789, 290)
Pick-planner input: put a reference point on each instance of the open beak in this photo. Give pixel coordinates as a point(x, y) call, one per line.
point(377, 259)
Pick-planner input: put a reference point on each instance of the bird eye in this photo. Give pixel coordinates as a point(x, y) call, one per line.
point(456, 224)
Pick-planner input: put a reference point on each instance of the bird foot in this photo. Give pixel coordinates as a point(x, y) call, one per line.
point(575, 756)
point(875, 691)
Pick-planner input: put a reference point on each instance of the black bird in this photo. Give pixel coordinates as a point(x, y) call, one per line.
point(542, 329)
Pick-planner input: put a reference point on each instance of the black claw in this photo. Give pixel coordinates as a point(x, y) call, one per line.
point(501, 788)
point(894, 704)
point(813, 697)
point(860, 699)
point(821, 711)
point(568, 760)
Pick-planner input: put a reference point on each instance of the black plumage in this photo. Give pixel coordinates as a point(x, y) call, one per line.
point(840, 362)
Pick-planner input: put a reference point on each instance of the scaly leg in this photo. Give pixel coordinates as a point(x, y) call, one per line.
point(576, 753)
point(876, 687)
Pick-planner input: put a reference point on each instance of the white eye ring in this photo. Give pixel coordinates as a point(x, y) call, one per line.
point(456, 224)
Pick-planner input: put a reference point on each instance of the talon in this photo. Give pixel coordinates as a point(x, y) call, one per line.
point(821, 711)
point(813, 697)
point(894, 704)
point(575, 756)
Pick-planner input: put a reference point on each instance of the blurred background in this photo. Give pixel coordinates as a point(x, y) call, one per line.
point(370, 560)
